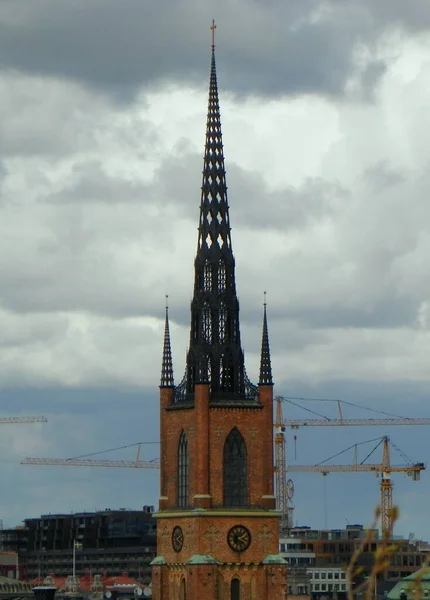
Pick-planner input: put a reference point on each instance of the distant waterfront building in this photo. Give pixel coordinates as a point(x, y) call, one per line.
point(318, 558)
point(110, 541)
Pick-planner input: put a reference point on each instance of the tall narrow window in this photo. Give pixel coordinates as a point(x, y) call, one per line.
point(183, 590)
point(235, 589)
point(235, 470)
point(183, 465)
point(220, 587)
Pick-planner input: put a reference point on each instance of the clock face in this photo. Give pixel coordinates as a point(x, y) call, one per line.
point(177, 539)
point(239, 538)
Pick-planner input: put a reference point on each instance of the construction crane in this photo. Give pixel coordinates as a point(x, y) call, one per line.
point(384, 469)
point(324, 421)
point(284, 488)
point(9, 420)
point(88, 462)
point(82, 461)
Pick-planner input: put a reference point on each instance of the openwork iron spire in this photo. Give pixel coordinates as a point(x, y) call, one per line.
point(167, 364)
point(265, 362)
point(215, 354)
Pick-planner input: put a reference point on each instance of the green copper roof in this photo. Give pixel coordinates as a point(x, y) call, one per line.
point(416, 586)
point(274, 559)
point(202, 559)
point(158, 560)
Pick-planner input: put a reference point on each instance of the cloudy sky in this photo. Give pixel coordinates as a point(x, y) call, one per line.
point(325, 120)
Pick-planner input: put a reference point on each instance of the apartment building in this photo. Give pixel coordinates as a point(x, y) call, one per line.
point(109, 541)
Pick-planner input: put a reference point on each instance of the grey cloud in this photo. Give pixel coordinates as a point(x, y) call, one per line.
point(252, 204)
point(89, 182)
point(286, 209)
point(265, 49)
point(102, 228)
point(383, 175)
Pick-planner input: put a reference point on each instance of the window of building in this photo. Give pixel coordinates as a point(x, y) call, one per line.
point(323, 575)
point(323, 587)
point(235, 470)
point(316, 575)
point(329, 575)
point(183, 467)
point(182, 591)
point(235, 589)
point(336, 574)
point(317, 587)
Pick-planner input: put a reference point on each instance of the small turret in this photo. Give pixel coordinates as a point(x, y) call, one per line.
point(167, 364)
point(265, 362)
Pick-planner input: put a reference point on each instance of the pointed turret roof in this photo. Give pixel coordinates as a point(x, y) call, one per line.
point(167, 364)
point(265, 362)
point(215, 354)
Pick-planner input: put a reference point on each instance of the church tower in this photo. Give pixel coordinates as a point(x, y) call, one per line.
point(217, 527)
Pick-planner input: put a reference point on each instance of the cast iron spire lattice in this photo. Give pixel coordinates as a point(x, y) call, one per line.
point(265, 362)
point(215, 354)
point(167, 364)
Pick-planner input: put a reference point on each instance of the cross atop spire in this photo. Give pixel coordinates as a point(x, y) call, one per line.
point(167, 364)
point(213, 27)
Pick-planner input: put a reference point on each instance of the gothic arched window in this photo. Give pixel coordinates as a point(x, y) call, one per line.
point(183, 590)
point(235, 589)
point(235, 470)
point(183, 467)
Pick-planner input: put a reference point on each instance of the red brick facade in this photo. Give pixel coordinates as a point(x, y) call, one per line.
point(180, 575)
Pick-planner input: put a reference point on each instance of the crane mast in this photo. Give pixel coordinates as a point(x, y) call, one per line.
point(386, 488)
point(283, 488)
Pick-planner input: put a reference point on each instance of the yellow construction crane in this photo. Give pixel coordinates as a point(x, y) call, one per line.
point(384, 469)
point(83, 461)
point(340, 421)
point(11, 420)
point(284, 487)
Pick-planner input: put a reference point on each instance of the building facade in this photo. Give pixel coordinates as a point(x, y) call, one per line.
point(217, 527)
point(318, 560)
point(109, 541)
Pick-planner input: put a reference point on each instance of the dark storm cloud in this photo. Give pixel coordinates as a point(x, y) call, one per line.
point(303, 46)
